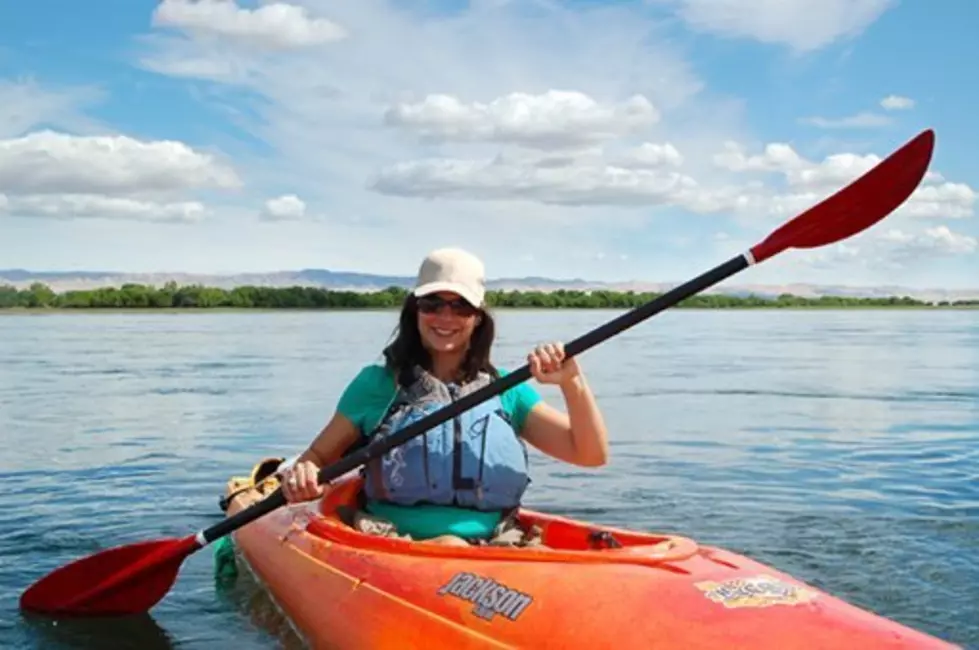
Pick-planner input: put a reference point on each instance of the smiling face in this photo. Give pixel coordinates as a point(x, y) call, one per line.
point(446, 322)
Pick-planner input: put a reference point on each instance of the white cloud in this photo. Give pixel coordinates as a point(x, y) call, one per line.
point(360, 111)
point(803, 25)
point(462, 106)
point(945, 240)
point(25, 104)
point(863, 120)
point(834, 171)
point(287, 207)
point(553, 119)
point(897, 103)
point(641, 177)
point(565, 185)
point(776, 157)
point(942, 201)
point(94, 206)
point(54, 175)
point(47, 161)
point(650, 154)
point(939, 239)
point(888, 250)
point(934, 198)
point(201, 67)
point(274, 25)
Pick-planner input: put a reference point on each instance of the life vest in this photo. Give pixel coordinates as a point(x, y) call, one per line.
point(475, 460)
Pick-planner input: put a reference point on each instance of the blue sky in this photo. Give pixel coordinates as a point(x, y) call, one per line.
point(645, 140)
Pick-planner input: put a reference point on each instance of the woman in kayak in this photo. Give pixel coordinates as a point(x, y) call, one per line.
point(459, 482)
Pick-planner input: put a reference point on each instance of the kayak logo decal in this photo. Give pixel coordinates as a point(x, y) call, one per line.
point(756, 591)
point(489, 596)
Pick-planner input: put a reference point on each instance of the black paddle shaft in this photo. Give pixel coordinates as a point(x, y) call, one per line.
point(379, 447)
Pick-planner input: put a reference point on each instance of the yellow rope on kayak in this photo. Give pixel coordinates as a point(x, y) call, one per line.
point(262, 477)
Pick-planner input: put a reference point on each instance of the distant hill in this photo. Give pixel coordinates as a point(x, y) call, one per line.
point(354, 281)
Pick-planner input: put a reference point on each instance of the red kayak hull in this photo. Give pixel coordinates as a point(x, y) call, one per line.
point(344, 589)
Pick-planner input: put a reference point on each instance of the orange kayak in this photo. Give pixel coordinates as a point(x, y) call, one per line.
point(344, 589)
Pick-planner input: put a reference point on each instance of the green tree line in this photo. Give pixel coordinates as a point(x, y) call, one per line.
point(169, 296)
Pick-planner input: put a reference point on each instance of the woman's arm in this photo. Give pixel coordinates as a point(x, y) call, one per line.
point(364, 399)
point(330, 443)
point(578, 436)
point(328, 447)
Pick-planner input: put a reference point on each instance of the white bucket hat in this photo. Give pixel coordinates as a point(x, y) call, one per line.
point(452, 269)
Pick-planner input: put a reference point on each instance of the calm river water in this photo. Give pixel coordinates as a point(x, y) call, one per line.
point(839, 446)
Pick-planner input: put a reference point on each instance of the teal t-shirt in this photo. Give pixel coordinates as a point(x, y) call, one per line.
point(365, 401)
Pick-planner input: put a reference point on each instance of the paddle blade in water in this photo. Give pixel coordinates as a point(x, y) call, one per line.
point(117, 581)
point(857, 206)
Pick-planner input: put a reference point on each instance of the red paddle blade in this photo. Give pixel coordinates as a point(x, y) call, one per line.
point(117, 581)
point(857, 206)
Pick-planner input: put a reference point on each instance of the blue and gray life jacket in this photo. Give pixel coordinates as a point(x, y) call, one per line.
point(475, 460)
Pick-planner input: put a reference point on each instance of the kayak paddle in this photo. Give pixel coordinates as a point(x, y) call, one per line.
point(133, 578)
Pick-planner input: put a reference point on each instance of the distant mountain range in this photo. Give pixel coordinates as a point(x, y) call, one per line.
point(346, 280)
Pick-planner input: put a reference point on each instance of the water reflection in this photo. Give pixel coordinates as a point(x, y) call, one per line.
point(140, 632)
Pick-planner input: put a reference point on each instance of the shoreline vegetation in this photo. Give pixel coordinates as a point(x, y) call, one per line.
point(175, 297)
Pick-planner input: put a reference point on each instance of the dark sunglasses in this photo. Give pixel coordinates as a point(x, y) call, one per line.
point(459, 306)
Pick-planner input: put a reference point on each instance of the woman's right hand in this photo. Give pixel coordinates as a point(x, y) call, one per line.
point(299, 482)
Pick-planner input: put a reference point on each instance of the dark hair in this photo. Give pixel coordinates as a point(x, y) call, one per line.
point(406, 349)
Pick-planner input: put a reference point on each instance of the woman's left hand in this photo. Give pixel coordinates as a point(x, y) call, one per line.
point(549, 366)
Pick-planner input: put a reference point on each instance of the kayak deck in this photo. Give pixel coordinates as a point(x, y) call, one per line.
point(587, 586)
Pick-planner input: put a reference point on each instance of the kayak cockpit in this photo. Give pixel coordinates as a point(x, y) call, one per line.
point(563, 539)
